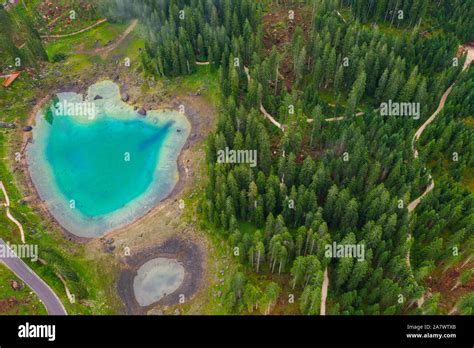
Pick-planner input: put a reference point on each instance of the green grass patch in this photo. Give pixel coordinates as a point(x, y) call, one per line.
point(15, 101)
point(17, 302)
point(79, 48)
point(387, 29)
point(203, 80)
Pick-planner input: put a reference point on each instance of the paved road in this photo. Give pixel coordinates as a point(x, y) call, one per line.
point(37, 285)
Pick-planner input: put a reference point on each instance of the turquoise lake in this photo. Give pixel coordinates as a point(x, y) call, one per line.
point(97, 171)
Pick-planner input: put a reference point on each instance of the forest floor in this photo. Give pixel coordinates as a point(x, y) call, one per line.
point(278, 31)
point(447, 282)
point(57, 16)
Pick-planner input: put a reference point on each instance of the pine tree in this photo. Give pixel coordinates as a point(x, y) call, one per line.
point(298, 271)
point(270, 296)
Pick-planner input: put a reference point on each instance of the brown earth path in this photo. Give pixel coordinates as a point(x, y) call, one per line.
point(412, 205)
point(9, 215)
point(324, 292)
point(104, 51)
point(59, 36)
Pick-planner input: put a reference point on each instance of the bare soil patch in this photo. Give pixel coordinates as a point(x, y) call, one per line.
point(189, 253)
point(447, 284)
point(278, 30)
point(11, 305)
point(56, 15)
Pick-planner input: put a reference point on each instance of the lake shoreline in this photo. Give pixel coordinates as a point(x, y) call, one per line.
point(192, 114)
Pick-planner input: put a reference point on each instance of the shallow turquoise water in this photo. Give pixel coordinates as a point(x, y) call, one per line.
point(97, 174)
point(92, 169)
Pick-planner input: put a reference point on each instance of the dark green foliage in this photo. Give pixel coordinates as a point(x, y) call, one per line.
point(17, 27)
point(320, 182)
point(179, 32)
point(58, 57)
point(453, 16)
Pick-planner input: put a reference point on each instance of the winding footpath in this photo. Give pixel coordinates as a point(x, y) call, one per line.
point(104, 51)
point(274, 121)
point(324, 292)
point(419, 132)
point(9, 215)
point(412, 205)
point(59, 36)
point(270, 117)
point(69, 295)
point(325, 286)
point(262, 108)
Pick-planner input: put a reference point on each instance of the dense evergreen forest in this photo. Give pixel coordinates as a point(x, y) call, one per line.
point(20, 41)
point(318, 182)
point(181, 32)
point(452, 16)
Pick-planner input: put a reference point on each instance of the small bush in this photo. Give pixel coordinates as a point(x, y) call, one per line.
point(58, 57)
